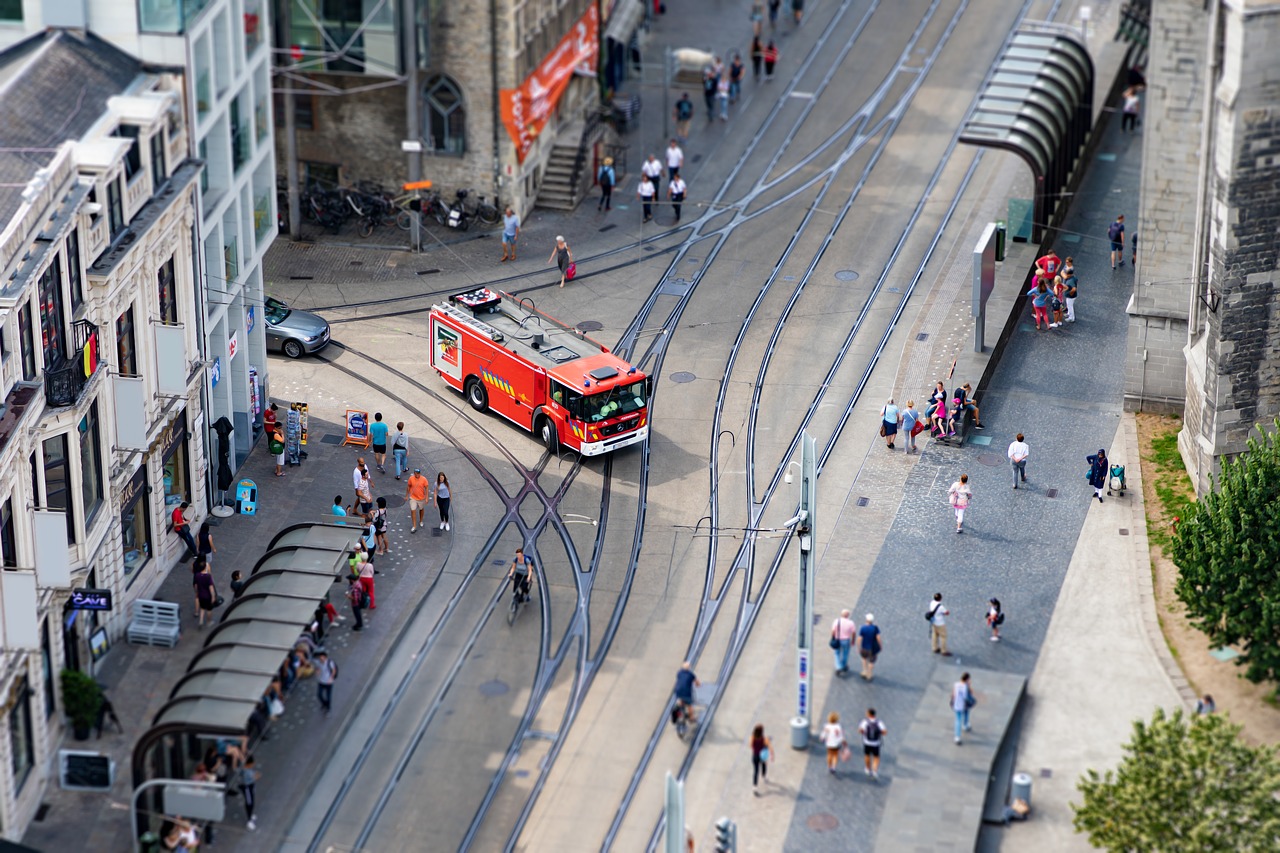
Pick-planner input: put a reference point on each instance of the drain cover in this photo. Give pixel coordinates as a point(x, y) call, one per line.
point(590, 326)
point(846, 275)
point(823, 822)
point(394, 501)
point(682, 376)
point(989, 459)
point(493, 687)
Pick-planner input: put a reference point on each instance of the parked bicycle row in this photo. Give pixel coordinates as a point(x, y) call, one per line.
point(373, 207)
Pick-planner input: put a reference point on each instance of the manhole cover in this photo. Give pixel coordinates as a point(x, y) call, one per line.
point(846, 275)
point(991, 460)
point(590, 326)
point(823, 822)
point(863, 501)
point(682, 376)
point(335, 440)
point(493, 687)
point(923, 336)
point(394, 501)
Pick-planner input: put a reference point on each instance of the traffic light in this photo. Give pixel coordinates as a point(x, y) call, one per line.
point(726, 836)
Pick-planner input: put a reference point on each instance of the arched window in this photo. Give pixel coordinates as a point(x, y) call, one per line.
point(445, 116)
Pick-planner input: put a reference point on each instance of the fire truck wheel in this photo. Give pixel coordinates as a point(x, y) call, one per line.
point(477, 396)
point(547, 432)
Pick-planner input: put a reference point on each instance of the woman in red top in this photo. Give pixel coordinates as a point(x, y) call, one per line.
point(770, 59)
point(761, 749)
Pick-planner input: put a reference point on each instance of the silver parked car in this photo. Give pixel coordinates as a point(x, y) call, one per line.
point(295, 333)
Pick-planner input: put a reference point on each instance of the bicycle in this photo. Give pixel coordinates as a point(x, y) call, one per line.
point(519, 593)
point(429, 204)
point(683, 718)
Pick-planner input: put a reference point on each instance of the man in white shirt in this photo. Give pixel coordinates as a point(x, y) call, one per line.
point(1018, 452)
point(653, 169)
point(938, 625)
point(675, 159)
point(645, 194)
point(675, 190)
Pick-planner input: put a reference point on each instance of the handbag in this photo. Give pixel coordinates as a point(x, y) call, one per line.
point(570, 271)
point(275, 706)
point(764, 754)
point(970, 700)
point(882, 429)
point(833, 642)
point(917, 429)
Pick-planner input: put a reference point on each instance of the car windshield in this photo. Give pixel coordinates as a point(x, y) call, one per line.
point(276, 310)
point(621, 400)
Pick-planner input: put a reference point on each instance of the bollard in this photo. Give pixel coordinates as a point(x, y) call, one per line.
point(1021, 789)
point(799, 732)
point(1001, 236)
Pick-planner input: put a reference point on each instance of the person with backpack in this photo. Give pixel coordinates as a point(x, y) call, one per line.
point(326, 675)
point(606, 177)
point(936, 616)
point(873, 732)
point(684, 114)
point(1115, 233)
point(358, 599)
point(995, 618)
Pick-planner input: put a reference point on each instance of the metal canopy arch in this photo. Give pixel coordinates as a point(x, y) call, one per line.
point(225, 682)
point(1037, 103)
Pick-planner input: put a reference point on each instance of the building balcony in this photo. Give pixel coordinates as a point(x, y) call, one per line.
point(64, 383)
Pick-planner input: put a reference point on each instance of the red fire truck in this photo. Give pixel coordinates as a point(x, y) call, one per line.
point(538, 373)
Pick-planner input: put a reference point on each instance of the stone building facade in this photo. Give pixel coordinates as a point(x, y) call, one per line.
point(97, 303)
point(1210, 223)
point(350, 105)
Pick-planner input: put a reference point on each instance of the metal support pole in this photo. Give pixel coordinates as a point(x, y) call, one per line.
point(804, 625)
point(409, 37)
point(219, 787)
point(666, 92)
point(673, 833)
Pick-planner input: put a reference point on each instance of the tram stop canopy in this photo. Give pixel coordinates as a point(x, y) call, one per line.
point(1038, 103)
point(226, 680)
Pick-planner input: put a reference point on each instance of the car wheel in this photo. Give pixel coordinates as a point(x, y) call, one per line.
point(477, 396)
point(293, 349)
point(547, 433)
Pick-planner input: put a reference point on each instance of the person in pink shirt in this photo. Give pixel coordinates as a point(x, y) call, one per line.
point(842, 631)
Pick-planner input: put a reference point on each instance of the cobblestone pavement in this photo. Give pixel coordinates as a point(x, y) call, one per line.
point(1062, 389)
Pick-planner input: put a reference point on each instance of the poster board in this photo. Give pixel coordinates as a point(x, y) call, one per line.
point(357, 428)
point(303, 410)
point(293, 437)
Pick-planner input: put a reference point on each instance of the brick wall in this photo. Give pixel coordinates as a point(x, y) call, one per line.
point(1240, 372)
point(1172, 121)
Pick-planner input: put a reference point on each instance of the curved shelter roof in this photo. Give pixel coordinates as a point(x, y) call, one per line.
point(1038, 103)
point(225, 681)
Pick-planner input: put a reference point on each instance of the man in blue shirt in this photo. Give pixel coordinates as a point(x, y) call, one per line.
point(337, 507)
point(378, 435)
point(510, 230)
point(870, 646)
point(686, 680)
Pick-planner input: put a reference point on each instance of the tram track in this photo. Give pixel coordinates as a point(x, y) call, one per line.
point(586, 662)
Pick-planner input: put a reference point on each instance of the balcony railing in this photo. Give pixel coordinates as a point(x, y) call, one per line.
point(64, 383)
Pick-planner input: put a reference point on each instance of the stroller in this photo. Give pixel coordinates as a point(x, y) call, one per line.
point(1116, 480)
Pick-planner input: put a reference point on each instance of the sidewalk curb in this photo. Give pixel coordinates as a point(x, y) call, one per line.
point(1142, 561)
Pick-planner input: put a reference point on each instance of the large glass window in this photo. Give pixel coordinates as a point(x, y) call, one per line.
point(135, 522)
point(46, 670)
point(126, 350)
point(158, 171)
point(352, 36)
point(26, 342)
point(22, 744)
point(132, 157)
point(446, 116)
point(11, 10)
point(165, 284)
point(90, 463)
point(621, 400)
point(8, 542)
point(75, 273)
point(176, 470)
point(115, 208)
point(57, 480)
point(52, 326)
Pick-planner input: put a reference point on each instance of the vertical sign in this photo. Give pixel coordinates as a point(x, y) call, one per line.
point(674, 832)
point(233, 346)
point(215, 372)
point(804, 532)
point(53, 569)
point(984, 281)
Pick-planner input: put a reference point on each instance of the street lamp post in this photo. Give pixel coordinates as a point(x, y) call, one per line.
point(804, 625)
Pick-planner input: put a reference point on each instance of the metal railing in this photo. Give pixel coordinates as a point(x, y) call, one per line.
point(63, 383)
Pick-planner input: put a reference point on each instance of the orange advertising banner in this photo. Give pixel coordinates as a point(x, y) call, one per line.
point(525, 110)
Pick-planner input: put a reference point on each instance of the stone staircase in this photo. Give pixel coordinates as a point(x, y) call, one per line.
point(562, 180)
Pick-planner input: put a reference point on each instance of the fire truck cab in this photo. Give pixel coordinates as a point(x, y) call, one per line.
point(538, 373)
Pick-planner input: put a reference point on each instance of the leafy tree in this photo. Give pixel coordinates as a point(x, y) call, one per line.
point(1227, 550)
point(1186, 785)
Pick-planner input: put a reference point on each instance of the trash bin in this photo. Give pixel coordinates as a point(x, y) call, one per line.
point(799, 732)
point(1021, 789)
point(1001, 236)
point(149, 842)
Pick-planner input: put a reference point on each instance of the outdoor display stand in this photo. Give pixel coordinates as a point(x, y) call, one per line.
point(247, 497)
point(293, 437)
point(357, 428)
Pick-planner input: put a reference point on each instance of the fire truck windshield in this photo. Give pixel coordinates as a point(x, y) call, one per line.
point(621, 400)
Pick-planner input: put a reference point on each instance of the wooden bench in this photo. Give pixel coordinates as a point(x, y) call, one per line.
point(155, 623)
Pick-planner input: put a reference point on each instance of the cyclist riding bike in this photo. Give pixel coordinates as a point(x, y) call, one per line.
point(521, 574)
point(686, 680)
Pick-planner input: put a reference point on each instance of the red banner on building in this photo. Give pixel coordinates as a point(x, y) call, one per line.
point(525, 110)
